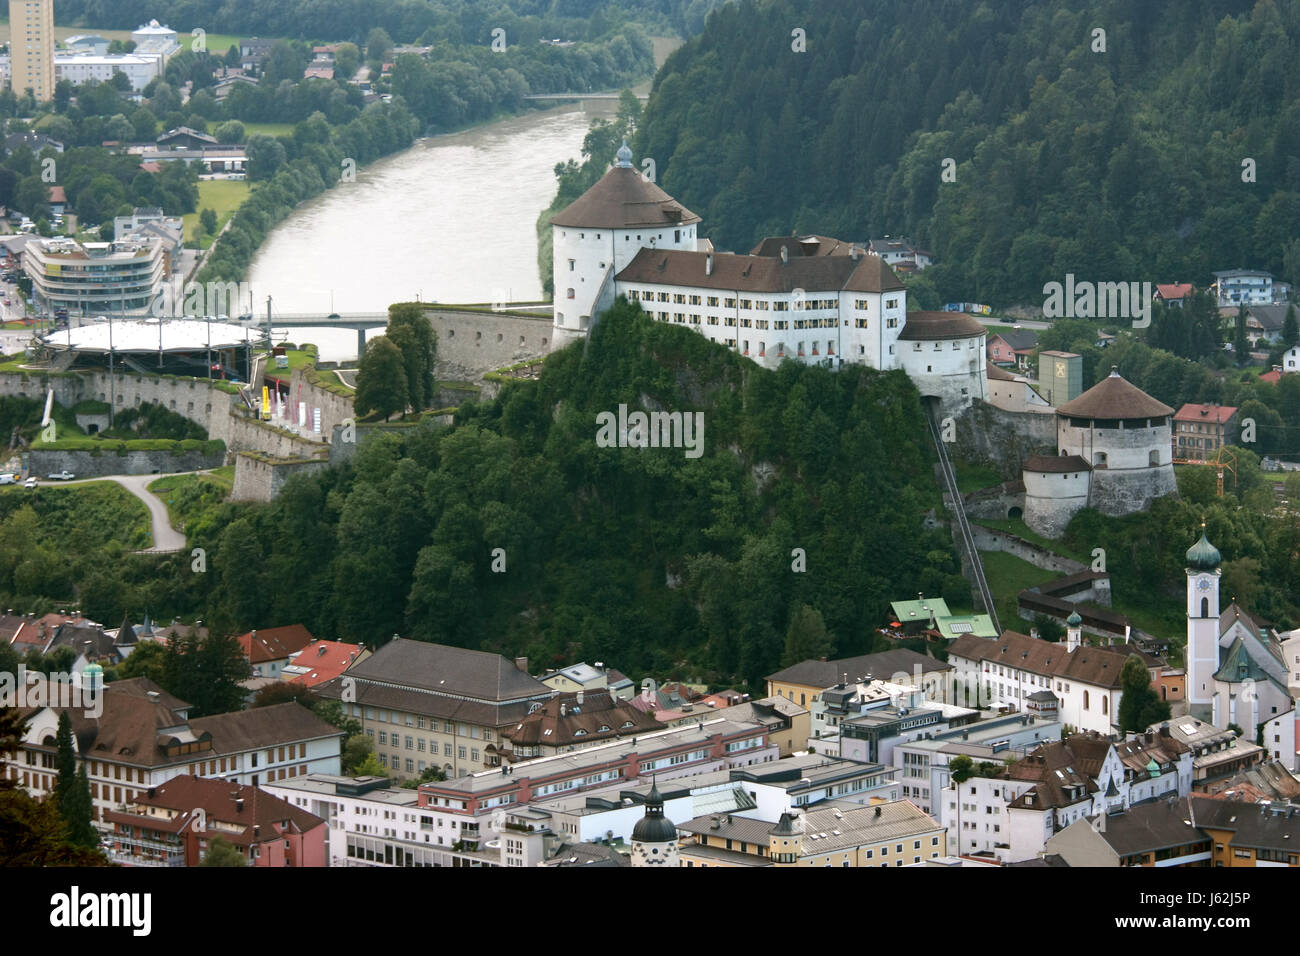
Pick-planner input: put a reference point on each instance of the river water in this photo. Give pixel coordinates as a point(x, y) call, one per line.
point(452, 219)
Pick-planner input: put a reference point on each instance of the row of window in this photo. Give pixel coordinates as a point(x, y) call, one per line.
point(419, 722)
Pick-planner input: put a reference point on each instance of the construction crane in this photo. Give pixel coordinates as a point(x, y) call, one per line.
point(1224, 459)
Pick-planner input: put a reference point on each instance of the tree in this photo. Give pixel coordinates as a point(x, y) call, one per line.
point(283, 692)
point(221, 852)
point(430, 775)
point(962, 768)
point(370, 767)
point(331, 711)
point(147, 660)
point(1240, 342)
point(266, 155)
point(1139, 707)
point(381, 380)
point(378, 43)
point(409, 329)
point(347, 59)
point(356, 750)
point(208, 220)
point(806, 638)
point(1290, 328)
point(229, 132)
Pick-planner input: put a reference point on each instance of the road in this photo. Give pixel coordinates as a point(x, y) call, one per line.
point(165, 538)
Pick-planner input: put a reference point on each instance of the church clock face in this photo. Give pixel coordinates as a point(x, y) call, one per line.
point(1203, 584)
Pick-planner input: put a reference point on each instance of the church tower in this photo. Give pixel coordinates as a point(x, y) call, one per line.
point(1073, 631)
point(654, 838)
point(1203, 571)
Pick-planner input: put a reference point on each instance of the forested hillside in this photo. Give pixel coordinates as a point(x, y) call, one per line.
point(1116, 165)
point(641, 557)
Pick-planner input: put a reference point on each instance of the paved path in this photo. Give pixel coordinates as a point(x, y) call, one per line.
point(165, 538)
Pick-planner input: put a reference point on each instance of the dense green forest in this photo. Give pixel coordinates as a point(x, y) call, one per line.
point(643, 557)
point(1116, 165)
point(407, 21)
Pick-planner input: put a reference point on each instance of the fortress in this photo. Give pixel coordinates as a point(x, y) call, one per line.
point(823, 301)
point(811, 299)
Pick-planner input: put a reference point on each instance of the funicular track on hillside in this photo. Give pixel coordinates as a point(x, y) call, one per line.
point(959, 511)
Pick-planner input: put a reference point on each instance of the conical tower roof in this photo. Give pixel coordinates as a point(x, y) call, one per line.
point(624, 199)
point(1115, 397)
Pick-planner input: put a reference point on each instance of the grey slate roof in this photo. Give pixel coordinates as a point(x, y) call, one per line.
point(882, 666)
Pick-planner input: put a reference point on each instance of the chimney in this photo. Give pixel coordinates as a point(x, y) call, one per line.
point(854, 252)
point(785, 255)
point(580, 695)
point(522, 664)
point(562, 708)
point(239, 804)
point(708, 264)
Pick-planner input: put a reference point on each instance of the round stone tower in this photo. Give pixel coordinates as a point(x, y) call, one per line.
point(599, 233)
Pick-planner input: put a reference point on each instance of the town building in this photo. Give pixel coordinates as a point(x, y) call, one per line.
point(1113, 454)
point(811, 299)
point(901, 255)
point(95, 277)
point(31, 48)
point(1158, 834)
point(144, 737)
point(321, 661)
point(432, 705)
point(1234, 287)
point(175, 824)
point(87, 43)
point(1174, 294)
point(1201, 430)
point(1218, 755)
point(569, 722)
point(1265, 323)
point(139, 69)
point(1013, 347)
point(893, 833)
point(269, 650)
point(924, 762)
point(1194, 831)
point(1014, 393)
point(1085, 680)
point(802, 682)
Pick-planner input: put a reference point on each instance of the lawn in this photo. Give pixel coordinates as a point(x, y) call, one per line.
point(974, 477)
point(222, 196)
point(268, 129)
point(1007, 576)
point(217, 43)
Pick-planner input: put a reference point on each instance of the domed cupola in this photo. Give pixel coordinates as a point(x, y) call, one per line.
point(1203, 556)
point(654, 827)
point(624, 155)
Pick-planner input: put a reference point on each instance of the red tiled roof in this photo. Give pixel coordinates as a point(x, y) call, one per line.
point(225, 802)
point(1274, 376)
point(1175, 290)
point(57, 195)
point(274, 643)
point(1219, 414)
point(326, 660)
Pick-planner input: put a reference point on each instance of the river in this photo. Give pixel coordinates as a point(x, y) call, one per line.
point(452, 219)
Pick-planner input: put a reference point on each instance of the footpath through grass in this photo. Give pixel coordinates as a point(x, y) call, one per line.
point(222, 196)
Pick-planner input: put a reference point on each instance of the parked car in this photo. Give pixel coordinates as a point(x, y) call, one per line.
point(29, 483)
point(6, 479)
point(62, 476)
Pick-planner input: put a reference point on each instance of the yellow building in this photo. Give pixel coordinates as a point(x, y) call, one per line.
point(802, 682)
point(31, 48)
point(880, 834)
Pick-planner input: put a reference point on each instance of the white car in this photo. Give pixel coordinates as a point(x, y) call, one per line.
point(62, 476)
point(29, 483)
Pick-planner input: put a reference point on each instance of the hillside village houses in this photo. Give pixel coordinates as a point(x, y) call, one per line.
point(144, 737)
